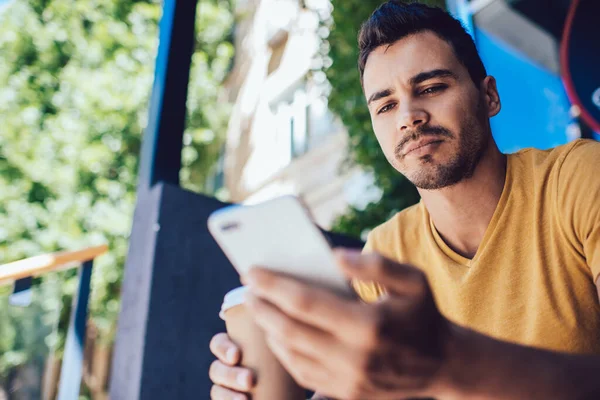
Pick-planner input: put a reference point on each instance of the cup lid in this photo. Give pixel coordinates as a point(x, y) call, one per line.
point(233, 298)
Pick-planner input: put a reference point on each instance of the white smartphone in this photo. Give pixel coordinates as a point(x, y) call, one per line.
point(279, 235)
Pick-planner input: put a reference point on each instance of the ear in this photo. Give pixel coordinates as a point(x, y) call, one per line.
point(491, 96)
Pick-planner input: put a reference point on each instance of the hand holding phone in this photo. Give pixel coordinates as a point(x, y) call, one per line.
point(278, 235)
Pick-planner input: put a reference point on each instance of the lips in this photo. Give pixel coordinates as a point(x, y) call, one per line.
point(412, 146)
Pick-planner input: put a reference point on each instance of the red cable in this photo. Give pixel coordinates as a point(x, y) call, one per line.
point(566, 72)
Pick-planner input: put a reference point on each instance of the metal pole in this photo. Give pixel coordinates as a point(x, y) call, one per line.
point(72, 365)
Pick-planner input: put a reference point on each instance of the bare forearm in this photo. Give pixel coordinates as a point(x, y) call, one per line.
point(484, 368)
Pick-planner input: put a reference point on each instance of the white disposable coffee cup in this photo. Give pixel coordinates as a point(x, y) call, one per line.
point(273, 381)
point(234, 297)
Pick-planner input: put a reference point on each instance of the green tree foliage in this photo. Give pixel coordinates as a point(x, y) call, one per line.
point(75, 79)
point(347, 100)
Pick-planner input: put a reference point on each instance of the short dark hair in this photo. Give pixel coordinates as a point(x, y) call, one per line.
point(396, 19)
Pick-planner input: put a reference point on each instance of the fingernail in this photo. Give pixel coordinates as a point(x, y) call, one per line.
point(231, 355)
point(249, 279)
point(243, 379)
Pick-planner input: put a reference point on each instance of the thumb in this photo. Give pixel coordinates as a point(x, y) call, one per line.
point(401, 279)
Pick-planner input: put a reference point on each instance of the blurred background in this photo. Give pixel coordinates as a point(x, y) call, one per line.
point(274, 106)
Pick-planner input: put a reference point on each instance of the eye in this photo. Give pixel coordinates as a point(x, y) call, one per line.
point(386, 108)
point(433, 89)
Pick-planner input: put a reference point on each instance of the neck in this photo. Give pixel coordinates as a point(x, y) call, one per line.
point(461, 213)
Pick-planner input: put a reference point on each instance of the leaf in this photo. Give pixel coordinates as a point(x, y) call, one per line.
point(75, 81)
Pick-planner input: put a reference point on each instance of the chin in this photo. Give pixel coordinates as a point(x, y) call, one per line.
point(425, 162)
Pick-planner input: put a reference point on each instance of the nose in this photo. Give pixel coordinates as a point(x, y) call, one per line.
point(411, 118)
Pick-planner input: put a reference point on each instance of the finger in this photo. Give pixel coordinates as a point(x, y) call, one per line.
point(220, 393)
point(331, 380)
point(399, 279)
point(235, 378)
point(224, 349)
point(296, 335)
point(320, 348)
point(317, 307)
point(307, 372)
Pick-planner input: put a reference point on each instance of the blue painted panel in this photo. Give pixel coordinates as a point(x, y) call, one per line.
point(535, 107)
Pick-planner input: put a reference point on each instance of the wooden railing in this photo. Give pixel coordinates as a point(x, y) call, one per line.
point(22, 271)
point(39, 265)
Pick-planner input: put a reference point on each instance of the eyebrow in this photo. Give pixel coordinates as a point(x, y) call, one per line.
point(434, 73)
point(379, 95)
point(415, 80)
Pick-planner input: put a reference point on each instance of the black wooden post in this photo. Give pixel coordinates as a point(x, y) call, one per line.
point(175, 279)
point(133, 368)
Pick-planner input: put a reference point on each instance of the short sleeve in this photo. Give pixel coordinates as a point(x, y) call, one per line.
point(579, 199)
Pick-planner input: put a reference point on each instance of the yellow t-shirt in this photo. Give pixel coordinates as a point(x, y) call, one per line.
point(532, 278)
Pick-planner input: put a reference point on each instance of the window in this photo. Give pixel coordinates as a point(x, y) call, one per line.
point(216, 180)
point(305, 119)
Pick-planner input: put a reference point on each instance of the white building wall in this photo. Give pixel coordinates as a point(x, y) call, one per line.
point(280, 111)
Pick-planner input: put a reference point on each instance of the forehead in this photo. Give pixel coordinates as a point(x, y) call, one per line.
point(406, 58)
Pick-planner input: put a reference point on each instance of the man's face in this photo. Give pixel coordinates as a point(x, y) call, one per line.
point(429, 117)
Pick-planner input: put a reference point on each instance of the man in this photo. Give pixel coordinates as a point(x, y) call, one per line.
point(490, 279)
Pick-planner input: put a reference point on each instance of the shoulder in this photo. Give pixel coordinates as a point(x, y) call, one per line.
point(553, 163)
point(578, 178)
point(583, 156)
point(391, 232)
point(558, 154)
